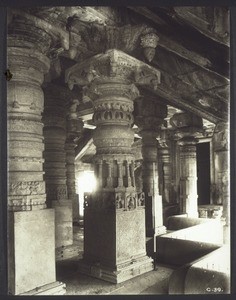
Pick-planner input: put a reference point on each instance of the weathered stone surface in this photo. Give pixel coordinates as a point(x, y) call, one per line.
point(31, 250)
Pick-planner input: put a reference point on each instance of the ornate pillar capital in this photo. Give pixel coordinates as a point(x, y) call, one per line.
point(113, 66)
point(187, 127)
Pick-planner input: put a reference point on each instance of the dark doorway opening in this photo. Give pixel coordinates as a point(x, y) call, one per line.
point(203, 173)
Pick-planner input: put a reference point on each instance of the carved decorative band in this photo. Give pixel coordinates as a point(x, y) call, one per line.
point(124, 201)
point(21, 125)
point(26, 188)
point(113, 117)
point(19, 203)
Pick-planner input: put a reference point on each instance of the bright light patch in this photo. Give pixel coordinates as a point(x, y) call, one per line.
point(86, 184)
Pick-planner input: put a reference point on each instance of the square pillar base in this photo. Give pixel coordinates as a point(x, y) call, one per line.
point(119, 274)
point(31, 250)
point(55, 288)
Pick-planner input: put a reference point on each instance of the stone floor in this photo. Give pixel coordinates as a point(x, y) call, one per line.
point(154, 282)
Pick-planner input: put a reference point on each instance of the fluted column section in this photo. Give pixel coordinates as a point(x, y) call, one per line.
point(114, 216)
point(149, 117)
point(189, 127)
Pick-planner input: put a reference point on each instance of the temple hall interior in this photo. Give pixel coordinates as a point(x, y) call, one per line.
point(118, 150)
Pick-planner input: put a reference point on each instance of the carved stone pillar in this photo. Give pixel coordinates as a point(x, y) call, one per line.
point(114, 216)
point(222, 167)
point(54, 119)
point(166, 168)
point(188, 126)
point(149, 117)
point(74, 129)
point(31, 227)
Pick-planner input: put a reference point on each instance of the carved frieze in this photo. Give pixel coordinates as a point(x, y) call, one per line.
point(116, 200)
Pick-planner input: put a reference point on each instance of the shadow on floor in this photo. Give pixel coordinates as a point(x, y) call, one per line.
point(154, 282)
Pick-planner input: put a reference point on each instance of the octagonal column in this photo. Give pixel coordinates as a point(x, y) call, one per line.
point(149, 117)
point(114, 216)
point(188, 126)
point(31, 246)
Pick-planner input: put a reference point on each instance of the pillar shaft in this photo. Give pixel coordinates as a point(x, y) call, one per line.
point(74, 128)
point(55, 161)
point(31, 256)
point(188, 128)
point(114, 216)
point(149, 116)
point(222, 167)
point(188, 179)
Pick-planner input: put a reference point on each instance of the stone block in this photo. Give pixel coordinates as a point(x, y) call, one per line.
point(114, 245)
point(210, 274)
point(31, 250)
point(181, 222)
point(185, 245)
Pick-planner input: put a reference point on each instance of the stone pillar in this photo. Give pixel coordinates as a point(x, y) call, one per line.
point(222, 172)
point(54, 119)
point(31, 256)
point(74, 129)
point(167, 171)
point(114, 219)
point(188, 127)
point(149, 117)
point(166, 168)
